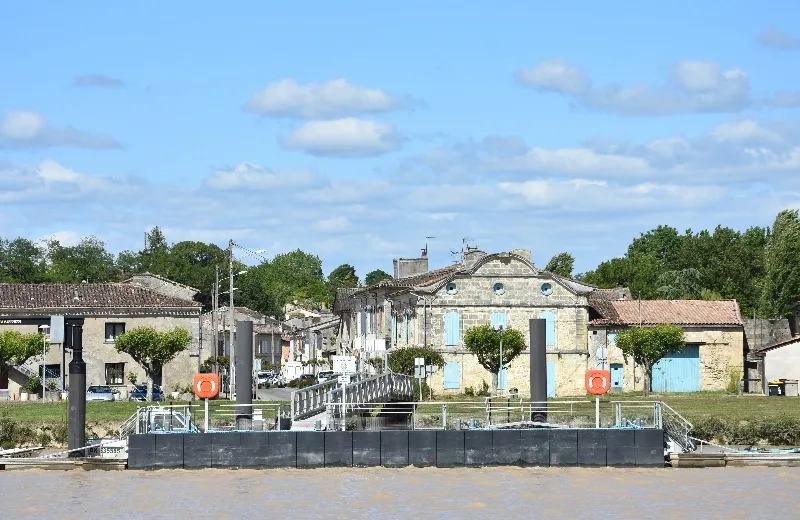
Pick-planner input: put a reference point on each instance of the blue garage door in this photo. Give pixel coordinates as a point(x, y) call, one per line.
point(678, 372)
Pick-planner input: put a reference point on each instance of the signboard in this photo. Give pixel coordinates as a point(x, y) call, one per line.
point(56, 329)
point(10, 322)
point(419, 372)
point(344, 380)
point(344, 364)
point(598, 382)
point(419, 362)
point(602, 357)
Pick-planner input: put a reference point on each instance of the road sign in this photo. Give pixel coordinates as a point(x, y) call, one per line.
point(344, 364)
point(419, 361)
point(602, 357)
point(430, 369)
point(419, 372)
point(344, 380)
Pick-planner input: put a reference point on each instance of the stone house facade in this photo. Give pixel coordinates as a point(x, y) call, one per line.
point(108, 310)
point(436, 308)
point(268, 336)
point(714, 351)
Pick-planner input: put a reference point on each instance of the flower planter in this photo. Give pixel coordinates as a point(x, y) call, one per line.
point(52, 395)
point(33, 397)
point(187, 396)
point(175, 395)
point(23, 396)
point(64, 396)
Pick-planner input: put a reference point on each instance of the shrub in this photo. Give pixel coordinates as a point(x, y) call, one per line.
point(469, 391)
point(484, 390)
point(733, 382)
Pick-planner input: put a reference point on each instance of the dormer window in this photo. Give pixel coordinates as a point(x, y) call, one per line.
point(498, 288)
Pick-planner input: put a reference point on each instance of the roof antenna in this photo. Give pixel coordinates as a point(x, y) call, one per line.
point(425, 251)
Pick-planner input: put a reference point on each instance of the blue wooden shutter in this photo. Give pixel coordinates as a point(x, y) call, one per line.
point(363, 330)
point(550, 318)
point(452, 375)
point(612, 339)
point(452, 328)
point(499, 318)
point(394, 330)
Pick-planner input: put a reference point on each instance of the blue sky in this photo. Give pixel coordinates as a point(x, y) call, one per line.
point(353, 130)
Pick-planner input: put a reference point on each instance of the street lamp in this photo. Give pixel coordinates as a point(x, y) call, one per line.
point(44, 329)
point(499, 330)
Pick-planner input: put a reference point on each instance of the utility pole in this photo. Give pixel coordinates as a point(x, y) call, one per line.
point(232, 318)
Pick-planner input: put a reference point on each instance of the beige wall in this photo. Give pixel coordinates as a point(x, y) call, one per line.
point(721, 351)
point(783, 362)
point(97, 351)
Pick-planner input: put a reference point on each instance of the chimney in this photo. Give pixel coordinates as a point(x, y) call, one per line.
point(524, 253)
point(472, 257)
point(405, 267)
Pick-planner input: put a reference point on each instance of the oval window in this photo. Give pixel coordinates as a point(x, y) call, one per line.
point(452, 288)
point(547, 289)
point(498, 288)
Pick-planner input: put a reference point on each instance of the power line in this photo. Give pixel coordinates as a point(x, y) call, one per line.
point(251, 253)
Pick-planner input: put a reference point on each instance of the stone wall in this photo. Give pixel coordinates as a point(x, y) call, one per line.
point(163, 286)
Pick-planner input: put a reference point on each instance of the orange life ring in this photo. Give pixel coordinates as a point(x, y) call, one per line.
point(598, 382)
point(206, 385)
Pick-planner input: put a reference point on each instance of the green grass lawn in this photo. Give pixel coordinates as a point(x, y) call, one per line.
point(108, 414)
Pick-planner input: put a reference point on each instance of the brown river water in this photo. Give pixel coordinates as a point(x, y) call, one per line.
point(518, 493)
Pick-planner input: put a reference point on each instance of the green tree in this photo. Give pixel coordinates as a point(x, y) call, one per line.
point(16, 348)
point(194, 264)
point(561, 264)
point(401, 360)
point(88, 260)
point(21, 261)
point(376, 276)
point(343, 276)
point(664, 243)
point(647, 345)
point(680, 285)
point(782, 281)
point(484, 342)
point(154, 258)
point(152, 349)
point(296, 275)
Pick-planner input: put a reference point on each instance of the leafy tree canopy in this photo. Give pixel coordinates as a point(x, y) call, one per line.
point(647, 345)
point(401, 360)
point(561, 264)
point(484, 342)
point(16, 348)
point(376, 276)
point(152, 349)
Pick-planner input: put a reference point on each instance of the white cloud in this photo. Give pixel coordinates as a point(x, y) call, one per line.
point(777, 39)
point(332, 224)
point(98, 81)
point(693, 86)
point(748, 130)
point(28, 129)
point(555, 76)
point(348, 137)
point(252, 177)
point(330, 99)
point(65, 238)
point(568, 160)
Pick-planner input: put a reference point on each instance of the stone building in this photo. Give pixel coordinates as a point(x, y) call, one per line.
point(108, 310)
point(268, 336)
point(714, 351)
point(435, 308)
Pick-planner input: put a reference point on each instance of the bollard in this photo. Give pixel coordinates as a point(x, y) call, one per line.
point(444, 416)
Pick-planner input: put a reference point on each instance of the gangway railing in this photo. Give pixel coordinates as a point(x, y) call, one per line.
point(313, 400)
point(655, 414)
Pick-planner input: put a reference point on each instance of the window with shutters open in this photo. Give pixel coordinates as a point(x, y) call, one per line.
point(550, 327)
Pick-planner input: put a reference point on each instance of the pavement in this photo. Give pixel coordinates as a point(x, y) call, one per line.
point(274, 394)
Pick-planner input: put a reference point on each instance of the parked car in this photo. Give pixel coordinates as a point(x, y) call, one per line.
point(302, 381)
point(265, 378)
point(139, 393)
point(326, 375)
point(99, 393)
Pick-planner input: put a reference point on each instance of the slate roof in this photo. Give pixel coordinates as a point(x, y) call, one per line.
point(344, 302)
point(132, 280)
point(88, 295)
point(420, 280)
point(679, 312)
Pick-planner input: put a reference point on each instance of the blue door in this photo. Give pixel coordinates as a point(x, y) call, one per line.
point(551, 379)
point(452, 375)
point(616, 375)
point(678, 372)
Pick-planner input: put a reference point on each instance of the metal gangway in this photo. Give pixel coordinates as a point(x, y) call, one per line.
point(382, 388)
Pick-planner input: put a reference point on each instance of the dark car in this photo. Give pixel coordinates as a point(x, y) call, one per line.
point(139, 393)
